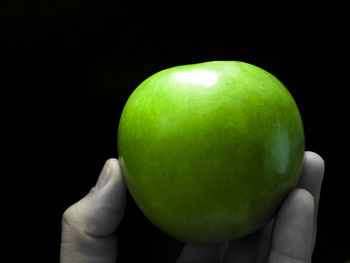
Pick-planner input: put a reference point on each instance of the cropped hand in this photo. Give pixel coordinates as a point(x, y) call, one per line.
point(88, 226)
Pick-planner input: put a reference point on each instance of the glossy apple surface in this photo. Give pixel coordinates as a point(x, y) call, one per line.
point(210, 150)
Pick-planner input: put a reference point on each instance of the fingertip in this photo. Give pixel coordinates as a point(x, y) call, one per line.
point(312, 173)
point(115, 190)
point(314, 159)
point(112, 163)
point(115, 170)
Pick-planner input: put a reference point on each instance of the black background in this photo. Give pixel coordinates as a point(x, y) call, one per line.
point(70, 67)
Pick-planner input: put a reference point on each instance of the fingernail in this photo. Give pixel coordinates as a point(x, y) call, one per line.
point(104, 176)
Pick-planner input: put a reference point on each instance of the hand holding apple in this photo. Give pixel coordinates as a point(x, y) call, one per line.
point(290, 235)
point(88, 226)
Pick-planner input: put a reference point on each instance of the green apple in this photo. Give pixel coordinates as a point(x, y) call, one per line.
point(210, 150)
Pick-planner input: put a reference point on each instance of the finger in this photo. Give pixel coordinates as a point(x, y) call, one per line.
point(88, 225)
point(202, 253)
point(312, 175)
point(311, 179)
point(292, 232)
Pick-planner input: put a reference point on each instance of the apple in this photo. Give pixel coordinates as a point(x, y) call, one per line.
point(210, 150)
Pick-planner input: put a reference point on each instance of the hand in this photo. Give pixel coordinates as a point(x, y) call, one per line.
point(288, 238)
point(87, 225)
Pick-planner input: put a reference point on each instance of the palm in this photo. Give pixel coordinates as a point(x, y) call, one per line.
point(288, 237)
point(253, 248)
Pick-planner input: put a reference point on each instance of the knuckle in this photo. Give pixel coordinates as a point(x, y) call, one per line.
point(71, 220)
point(71, 214)
point(68, 214)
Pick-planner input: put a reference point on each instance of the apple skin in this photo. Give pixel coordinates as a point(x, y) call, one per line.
point(210, 150)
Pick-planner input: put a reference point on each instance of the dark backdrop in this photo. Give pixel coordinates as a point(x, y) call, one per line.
point(70, 67)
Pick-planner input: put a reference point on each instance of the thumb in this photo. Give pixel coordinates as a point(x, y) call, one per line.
point(88, 225)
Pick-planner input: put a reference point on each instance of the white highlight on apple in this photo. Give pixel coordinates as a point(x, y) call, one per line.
point(202, 77)
point(280, 151)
